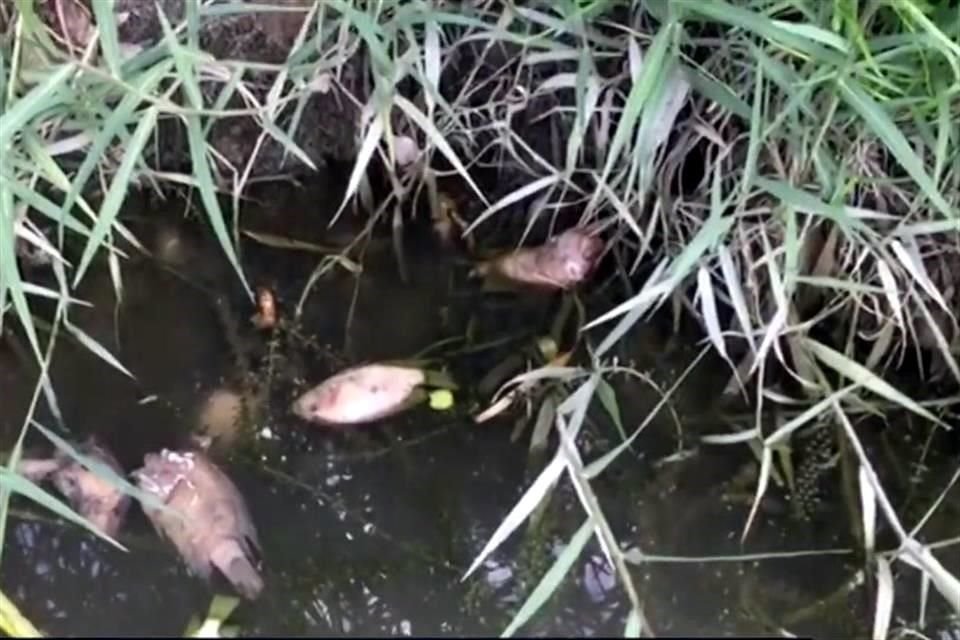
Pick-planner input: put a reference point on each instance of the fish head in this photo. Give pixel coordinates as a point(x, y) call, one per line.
point(95, 498)
point(108, 514)
point(312, 405)
point(577, 253)
point(162, 471)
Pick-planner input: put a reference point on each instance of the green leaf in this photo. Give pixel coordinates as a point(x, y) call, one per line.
point(608, 398)
point(24, 487)
point(104, 471)
point(13, 623)
point(552, 578)
point(212, 627)
point(652, 75)
point(885, 129)
point(861, 375)
point(109, 41)
point(119, 187)
point(37, 99)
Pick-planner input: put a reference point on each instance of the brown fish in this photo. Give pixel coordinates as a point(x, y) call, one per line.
point(563, 262)
point(361, 394)
point(215, 529)
point(93, 497)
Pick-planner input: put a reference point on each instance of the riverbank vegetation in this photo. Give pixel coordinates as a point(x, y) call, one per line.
point(785, 175)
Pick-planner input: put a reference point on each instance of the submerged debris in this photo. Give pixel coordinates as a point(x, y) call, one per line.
point(208, 521)
point(221, 417)
point(98, 500)
point(362, 394)
point(266, 315)
point(563, 262)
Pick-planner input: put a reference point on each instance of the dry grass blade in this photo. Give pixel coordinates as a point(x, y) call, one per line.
point(863, 376)
point(883, 612)
point(737, 298)
point(370, 141)
point(650, 77)
point(868, 509)
point(766, 462)
point(815, 411)
point(511, 198)
point(97, 349)
point(708, 307)
point(884, 128)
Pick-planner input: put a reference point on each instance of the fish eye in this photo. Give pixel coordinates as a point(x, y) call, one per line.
point(312, 408)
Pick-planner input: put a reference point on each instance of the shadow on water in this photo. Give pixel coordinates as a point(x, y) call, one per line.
point(370, 532)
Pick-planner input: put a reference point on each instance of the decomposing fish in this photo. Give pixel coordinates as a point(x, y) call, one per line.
point(362, 394)
point(207, 520)
point(98, 500)
point(564, 261)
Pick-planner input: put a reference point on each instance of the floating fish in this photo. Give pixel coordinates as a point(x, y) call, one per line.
point(98, 500)
point(207, 520)
point(563, 262)
point(362, 394)
point(366, 393)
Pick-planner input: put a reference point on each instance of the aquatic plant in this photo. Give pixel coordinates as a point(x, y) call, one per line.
point(782, 167)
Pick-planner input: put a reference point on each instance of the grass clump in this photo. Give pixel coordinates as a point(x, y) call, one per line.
point(787, 172)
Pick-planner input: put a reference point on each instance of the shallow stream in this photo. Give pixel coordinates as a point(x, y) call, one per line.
point(369, 532)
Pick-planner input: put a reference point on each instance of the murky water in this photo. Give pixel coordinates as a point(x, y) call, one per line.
point(370, 532)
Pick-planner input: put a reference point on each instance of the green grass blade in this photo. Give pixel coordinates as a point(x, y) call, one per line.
point(209, 197)
point(109, 40)
point(885, 129)
point(651, 76)
point(119, 117)
point(102, 470)
point(436, 138)
point(537, 491)
point(552, 578)
point(97, 349)
point(13, 623)
point(37, 99)
point(119, 187)
point(863, 376)
point(24, 487)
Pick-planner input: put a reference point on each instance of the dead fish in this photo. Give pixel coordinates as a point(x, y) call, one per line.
point(362, 394)
point(95, 498)
point(215, 529)
point(562, 262)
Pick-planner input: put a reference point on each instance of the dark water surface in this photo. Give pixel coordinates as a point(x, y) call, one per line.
point(370, 532)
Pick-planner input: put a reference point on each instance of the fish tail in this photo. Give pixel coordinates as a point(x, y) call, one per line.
point(230, 559)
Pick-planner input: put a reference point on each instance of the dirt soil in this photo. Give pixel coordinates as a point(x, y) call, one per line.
point(328, 123)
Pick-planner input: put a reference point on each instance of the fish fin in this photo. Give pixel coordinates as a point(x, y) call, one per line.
point(233, 563)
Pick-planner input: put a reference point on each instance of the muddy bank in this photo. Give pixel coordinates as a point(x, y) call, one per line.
point(318, 108)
